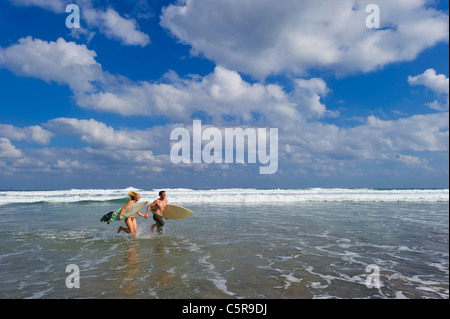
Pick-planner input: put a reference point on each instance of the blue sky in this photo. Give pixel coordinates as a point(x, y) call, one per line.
point(93, 107)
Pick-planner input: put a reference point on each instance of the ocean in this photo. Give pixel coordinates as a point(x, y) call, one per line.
point(240, 244)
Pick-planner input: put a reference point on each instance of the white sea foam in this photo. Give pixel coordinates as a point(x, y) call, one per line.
point(232, 195)
point(218, 280)
point(62, 196)
point(311, 253)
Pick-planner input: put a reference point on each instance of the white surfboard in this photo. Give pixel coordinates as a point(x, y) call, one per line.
point(130, 210)
point(133, 209)
point(176, 212)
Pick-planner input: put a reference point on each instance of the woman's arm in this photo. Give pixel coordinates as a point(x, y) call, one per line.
point(125, 207)
point(142, 215)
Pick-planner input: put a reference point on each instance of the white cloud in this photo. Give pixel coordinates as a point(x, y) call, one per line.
point(126, 30)
point(35, 134)
point(56, 6)
point(438, 106)
point(263, 37)
point(439, 84)
point(374, 140)
point(59, 166)
point(99, 134)
point(141, 98)
point(108, 21)
point(308, 93)
point(59, 61)
point(307, 147)
point(221, 93)
point(413, 161)
point(113, 25)
point(224, 97)
point(108, 140)
point(420, 133)
point(7, 150)
point(72, 64)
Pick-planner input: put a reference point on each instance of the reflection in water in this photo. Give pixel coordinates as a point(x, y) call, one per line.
point(132, 268)
point(164, 277)
point(314, 250)
point(145, 268)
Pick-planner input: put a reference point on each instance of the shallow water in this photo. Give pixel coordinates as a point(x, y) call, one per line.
point(293, 250)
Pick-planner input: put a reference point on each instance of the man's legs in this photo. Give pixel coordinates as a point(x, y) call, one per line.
point(159, 223)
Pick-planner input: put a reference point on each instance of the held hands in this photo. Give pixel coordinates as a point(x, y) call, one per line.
point(146, 213)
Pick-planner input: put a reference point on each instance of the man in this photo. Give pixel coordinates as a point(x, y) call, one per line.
point(157, 208)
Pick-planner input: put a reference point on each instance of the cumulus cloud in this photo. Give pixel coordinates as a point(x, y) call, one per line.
point(56, 6)
point(219, 94)
point(223, 97)
point(374, 140)
point(107, 21)
point(308, 93)
point(438, 83)
point(420, 133)
point(34, 134)
point(413, 161)
point(95, 133)
point(429, 78)
point(59, 61)
point(264, 37)
point(100, 135)
point(7, 150)
point(114, 26)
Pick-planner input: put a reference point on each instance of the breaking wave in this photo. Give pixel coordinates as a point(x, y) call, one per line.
point(231, 195)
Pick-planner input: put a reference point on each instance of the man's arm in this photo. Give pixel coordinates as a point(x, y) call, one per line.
point(166, 201)
point(148, 208)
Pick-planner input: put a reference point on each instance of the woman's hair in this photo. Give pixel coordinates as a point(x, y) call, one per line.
point(132, 194)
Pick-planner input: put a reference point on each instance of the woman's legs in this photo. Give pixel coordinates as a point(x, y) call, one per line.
point(132, 225)
point(124, 229)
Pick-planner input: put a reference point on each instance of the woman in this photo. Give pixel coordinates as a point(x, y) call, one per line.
point(131, 220)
